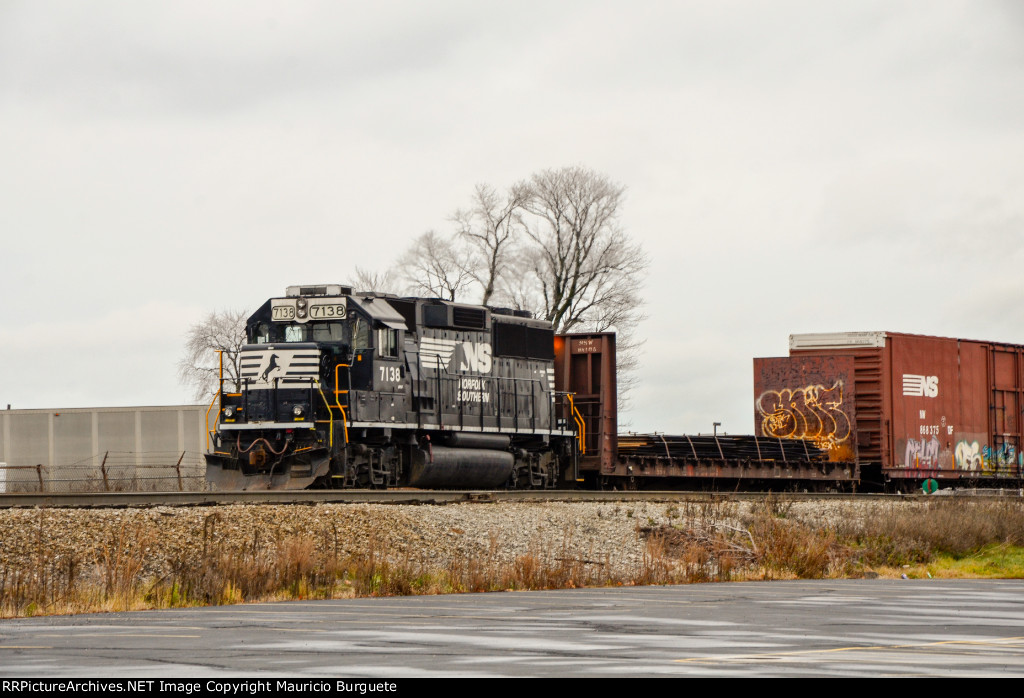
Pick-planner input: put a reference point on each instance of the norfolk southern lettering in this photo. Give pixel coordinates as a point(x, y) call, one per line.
point(340, 389)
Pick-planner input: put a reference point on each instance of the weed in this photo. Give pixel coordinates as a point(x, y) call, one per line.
point(702, 541)
point(790, 548)
point(774, 506)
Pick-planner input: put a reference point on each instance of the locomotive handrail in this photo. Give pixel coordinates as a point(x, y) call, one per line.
point(533, 383)
point(330, 422)
point(452, 379)
point(220, 392)
point(443, 379)
point(498, 404)
point(417, 395)
point(209, 431)
point(337, 392)
point(515, 405)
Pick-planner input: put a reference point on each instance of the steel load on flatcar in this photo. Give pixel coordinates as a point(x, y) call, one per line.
point(585, 365)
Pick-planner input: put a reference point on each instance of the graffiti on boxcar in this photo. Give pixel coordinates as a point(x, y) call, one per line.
point(812, 412)
point(921, 453)
point(967, 456)
point(970, 455)
point(995, 457)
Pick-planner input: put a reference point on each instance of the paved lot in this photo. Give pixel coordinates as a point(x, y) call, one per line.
point(807, 628)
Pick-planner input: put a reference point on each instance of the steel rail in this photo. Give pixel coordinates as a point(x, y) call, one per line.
point(414, 496)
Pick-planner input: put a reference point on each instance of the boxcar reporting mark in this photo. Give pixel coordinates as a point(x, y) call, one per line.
point(920, 386)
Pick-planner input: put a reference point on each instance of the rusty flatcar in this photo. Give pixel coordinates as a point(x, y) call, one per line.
point(585, 367)
point(907, 408)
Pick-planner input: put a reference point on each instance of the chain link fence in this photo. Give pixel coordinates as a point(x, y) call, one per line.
point(112, 471)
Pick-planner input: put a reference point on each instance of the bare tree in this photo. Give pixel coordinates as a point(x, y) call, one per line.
point(436, 266)
point(199, 368)
point(585, 271)
point(552, 244)
point(383, 282)
point(577, 265)
point(491, 225)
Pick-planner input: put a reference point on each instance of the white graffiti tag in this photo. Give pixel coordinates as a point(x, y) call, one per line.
point(968, 456)
point(921, 453)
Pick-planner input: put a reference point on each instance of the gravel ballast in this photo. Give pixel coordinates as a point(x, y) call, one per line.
point(613, 533)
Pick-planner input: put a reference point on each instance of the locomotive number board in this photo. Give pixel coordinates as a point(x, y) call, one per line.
point(288, 310)
point(327, 311)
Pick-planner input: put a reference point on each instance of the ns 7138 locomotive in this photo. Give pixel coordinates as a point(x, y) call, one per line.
point(338, 389)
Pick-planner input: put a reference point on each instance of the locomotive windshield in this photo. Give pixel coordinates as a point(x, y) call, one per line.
point(272, 332)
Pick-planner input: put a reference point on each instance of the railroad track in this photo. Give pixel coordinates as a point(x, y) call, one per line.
point(413, 496)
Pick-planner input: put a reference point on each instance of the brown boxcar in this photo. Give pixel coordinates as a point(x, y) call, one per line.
point(905, 406)
point(585, 367)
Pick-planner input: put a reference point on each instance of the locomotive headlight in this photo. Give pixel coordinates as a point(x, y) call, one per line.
point(302, 312)
point(301, 302)
point(298, 410)
point(229, 411)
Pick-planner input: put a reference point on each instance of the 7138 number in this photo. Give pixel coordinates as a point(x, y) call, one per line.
point(326, 311)
point(391, 373)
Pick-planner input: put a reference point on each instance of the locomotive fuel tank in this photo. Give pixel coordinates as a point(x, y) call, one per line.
point(440, 467)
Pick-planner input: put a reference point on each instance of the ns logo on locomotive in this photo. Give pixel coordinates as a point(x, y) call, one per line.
point(371, 390)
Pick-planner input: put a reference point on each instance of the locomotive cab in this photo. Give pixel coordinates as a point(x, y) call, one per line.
point(275, 428)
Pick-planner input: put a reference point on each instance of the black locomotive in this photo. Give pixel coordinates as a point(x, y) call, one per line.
point(338, 389)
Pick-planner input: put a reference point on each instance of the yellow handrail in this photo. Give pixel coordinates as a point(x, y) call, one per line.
point(209, 431)
point(578, 418)
point(344, 417)
point(220, 391)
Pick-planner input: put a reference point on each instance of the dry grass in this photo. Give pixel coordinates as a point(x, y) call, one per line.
point(932, 539)
point(701, 542)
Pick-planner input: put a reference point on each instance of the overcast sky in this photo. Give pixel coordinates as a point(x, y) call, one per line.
point(790, 167)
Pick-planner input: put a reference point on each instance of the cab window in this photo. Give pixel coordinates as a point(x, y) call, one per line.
point(360, 335)
point(295, 333)
point(387, 342)
point(329, 331)
point(261, 333)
